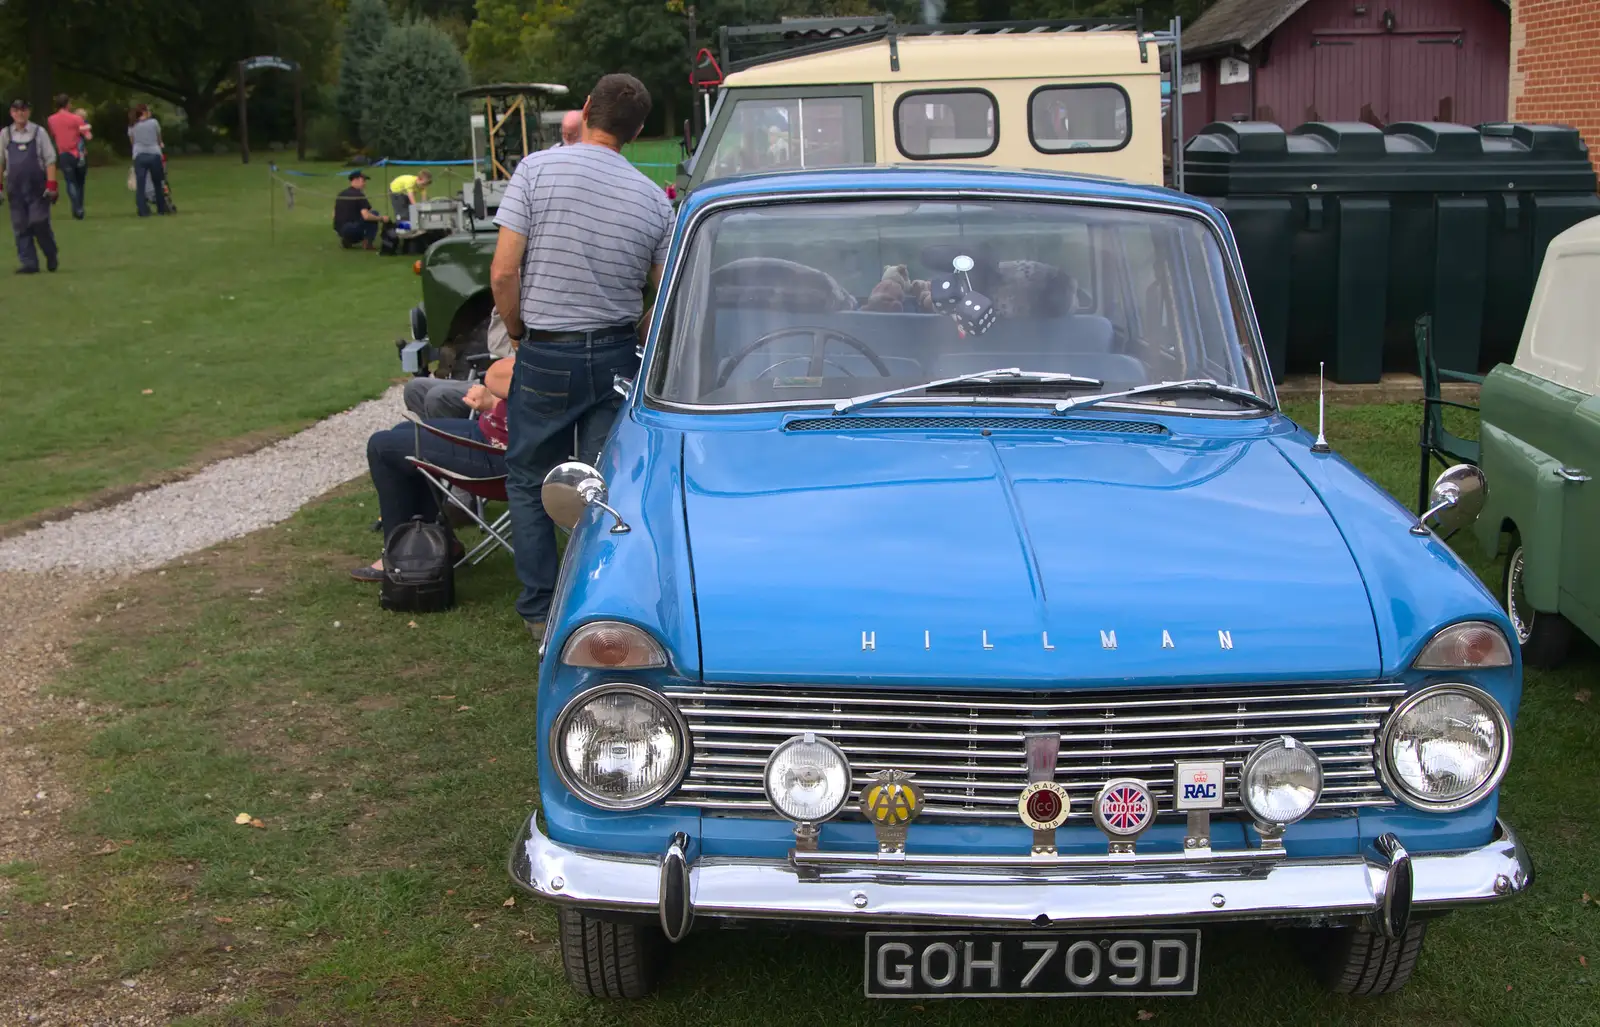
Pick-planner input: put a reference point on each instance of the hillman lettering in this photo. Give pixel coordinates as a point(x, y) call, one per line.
point(1108, 640)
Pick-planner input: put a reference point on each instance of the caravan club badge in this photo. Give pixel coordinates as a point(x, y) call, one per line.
point(1044, 805)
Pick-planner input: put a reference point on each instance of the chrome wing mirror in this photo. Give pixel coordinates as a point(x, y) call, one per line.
point(572, 486)
point(1456, 501)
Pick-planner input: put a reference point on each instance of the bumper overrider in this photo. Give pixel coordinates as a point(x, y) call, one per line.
point(1023, 891)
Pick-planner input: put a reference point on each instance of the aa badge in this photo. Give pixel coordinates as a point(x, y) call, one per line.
point(890, 802)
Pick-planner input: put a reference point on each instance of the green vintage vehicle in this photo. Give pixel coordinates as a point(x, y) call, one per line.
point(509, 121)
point(1541, 448)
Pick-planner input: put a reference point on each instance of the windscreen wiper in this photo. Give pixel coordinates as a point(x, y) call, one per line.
point(1000, 375)
point(1205, 386)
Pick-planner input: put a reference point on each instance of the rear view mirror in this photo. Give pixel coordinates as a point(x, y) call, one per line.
point(572, 486)
point(1455, 502)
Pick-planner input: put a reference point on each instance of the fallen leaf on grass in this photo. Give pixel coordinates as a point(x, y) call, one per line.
point(243, 818)
point(444, 697)
point(1582, 695)
point(1585, 898)
point(223, 919)
point(449, 891)
point(1145, 1014)
point(512, 901)
point(411, 624)
point(462, 709)
point(1583, 961)
point(1508, 987)
point(147, 392)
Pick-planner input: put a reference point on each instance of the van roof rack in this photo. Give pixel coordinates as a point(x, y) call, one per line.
point(745, 46)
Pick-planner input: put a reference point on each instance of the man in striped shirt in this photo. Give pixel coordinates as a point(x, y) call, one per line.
point(582, 234)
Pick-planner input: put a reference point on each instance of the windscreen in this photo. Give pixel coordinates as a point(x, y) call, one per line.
point(801, 302)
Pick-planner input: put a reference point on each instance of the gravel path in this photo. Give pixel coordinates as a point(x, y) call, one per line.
point(228, 499)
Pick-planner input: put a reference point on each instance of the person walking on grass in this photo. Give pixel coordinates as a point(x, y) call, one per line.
point(144, 131)
point(68, 130)
point(28, 172)
point(582, 234)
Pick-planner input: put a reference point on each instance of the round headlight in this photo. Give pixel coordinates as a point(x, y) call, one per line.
point(808, 779)
point(619, 746)
point(1446, 746)
point(1281, 781)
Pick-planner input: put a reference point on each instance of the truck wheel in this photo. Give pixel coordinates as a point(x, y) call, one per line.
point(1352, 961)
point(1544, 636)
point(610, 960)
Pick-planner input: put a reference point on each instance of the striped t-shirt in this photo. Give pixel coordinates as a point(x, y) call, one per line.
point(595, 225)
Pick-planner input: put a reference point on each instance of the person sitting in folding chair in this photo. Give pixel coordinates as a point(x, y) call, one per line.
point(412, 463)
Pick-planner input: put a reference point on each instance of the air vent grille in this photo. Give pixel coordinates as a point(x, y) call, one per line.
point(1045, 424)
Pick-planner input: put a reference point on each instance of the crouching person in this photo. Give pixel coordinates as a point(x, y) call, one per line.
point(353, 216)
point(403, 493)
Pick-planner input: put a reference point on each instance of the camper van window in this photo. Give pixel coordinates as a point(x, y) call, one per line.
point(950, 123)
point(1065, 119)
point(798, 132)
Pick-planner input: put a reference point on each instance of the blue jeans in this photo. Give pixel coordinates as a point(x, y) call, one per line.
point(353, 232)
point(403, 493)
point(72, 170)
point(148, 166)
point(557, 389)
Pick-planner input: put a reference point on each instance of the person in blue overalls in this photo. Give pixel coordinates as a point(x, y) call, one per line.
point(28, 169)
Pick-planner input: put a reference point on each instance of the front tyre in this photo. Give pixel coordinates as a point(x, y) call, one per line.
point(1353, 961)
point(610, 960)
point(1544, 636)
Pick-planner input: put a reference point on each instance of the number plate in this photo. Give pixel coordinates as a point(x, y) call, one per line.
point(1005, 964)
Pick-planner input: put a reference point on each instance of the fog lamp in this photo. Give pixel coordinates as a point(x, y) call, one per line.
point(1446, 747)
point(808, 779)
point(1281, 781)
point(620, 746)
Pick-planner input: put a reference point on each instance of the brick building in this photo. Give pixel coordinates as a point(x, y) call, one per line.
point(1555, 65)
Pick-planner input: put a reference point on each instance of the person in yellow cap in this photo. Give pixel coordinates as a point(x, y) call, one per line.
point(404, 190)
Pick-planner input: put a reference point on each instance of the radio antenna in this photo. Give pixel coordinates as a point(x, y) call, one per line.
point(1321, 445)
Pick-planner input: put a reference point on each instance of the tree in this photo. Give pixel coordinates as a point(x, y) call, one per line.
point(183, 51)
point(409, 90)
point(366, 22)
point(518, 40)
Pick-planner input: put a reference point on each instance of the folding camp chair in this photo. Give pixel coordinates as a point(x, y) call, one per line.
point(1435, 441)
point(483, 490)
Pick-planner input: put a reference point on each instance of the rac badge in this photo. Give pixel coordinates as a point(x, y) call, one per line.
point(1044, 805)
point(1123, 809)
point(890, 802)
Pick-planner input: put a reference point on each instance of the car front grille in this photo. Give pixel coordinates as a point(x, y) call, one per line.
point(965, 748)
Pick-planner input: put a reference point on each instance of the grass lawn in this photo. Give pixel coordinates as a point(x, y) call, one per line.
point(163, 340)
point(390, 762)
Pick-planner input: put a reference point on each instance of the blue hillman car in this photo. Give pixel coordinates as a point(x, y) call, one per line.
point(951, 573)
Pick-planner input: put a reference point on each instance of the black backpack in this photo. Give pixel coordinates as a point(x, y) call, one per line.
point(419, 571)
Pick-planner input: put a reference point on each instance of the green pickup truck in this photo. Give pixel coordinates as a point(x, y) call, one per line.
point(1540, 433)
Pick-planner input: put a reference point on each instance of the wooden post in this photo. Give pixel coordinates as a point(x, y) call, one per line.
point(299, 115)
point(244, 119)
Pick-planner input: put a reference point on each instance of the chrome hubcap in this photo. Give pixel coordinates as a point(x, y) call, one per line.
point(1517, 607)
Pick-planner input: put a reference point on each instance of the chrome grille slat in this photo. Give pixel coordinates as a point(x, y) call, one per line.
point(971, 766)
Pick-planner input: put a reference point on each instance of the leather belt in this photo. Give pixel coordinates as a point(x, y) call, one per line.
point(539, 335)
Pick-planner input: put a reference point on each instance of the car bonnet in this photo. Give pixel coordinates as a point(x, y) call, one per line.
point(1018, 559)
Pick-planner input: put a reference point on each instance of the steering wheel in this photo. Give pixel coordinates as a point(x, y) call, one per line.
point(819, 342)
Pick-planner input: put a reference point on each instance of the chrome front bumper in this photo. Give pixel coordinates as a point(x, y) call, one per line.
point(1063, 892)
